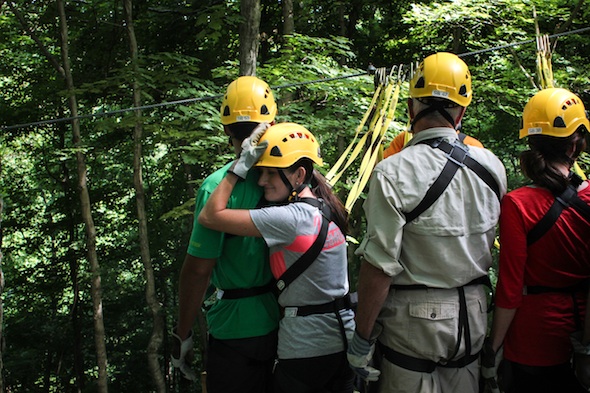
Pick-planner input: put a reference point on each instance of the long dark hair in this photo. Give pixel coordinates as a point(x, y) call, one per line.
point(321, 189)
point(547, 152)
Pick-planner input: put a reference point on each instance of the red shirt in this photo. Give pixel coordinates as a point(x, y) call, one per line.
point(539, 333)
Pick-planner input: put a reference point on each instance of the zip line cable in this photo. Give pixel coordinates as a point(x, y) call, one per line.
point(213, 97)
point(161, 104)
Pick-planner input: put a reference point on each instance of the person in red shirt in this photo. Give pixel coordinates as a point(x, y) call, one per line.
point(543, 274)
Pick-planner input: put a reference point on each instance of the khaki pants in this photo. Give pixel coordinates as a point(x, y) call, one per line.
point(424, 323)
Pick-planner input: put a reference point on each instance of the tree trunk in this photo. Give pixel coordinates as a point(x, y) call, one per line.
point(99, 332)
point(1, 304)
point(249, 36)
point(157, 335)
point(71, 257)
point(288, 22)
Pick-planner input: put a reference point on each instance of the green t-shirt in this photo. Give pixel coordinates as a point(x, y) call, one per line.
point(242, 262)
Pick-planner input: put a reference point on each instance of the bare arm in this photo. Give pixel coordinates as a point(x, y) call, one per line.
point(373, 287)
point(194, 281)
point(502, 319)
point(215, 214)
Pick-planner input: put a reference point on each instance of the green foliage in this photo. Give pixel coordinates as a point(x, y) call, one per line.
point(188, 53)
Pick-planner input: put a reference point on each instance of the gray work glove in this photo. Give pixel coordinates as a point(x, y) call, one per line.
point(182, 351)
point(490, 360)
point(581, 359)
point(360, 353)
point(251, 152)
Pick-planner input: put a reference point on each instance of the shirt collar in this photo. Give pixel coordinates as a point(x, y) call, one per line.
point(432, 133)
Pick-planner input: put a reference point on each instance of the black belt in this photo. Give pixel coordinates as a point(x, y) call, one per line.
point(538, 289)
point(572, 290)
point(422, 365)
point(342, 303)
point(483, 280)
point(239, 293)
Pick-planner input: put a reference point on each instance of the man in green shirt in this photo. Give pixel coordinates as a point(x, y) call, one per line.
point(243, 321)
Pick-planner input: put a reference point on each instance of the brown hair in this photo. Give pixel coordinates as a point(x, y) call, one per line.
point(321, 189)
point(546, 152)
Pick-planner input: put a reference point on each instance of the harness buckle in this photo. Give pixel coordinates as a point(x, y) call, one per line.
point(457, 154)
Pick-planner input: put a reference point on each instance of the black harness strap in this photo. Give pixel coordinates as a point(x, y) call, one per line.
point(239, 293)
point(568, 198)
point(458, 157)
point(300, 265)
point(342, 303)
point(550, 218)
point(422, 365)
point(428, 366)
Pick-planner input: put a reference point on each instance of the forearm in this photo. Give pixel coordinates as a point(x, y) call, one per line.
point(217, 202)
point(193, 283)
point(373, 288)
point(502, 319)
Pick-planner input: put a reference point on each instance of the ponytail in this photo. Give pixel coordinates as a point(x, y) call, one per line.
point(541, 162)
point(321, 189)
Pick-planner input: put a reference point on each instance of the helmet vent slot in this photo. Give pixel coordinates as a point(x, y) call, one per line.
point(276, 152)
point(558, 122)
point(419, 83)
point(264, 110)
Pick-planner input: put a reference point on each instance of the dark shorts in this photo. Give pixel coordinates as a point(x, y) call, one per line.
point(241, 365)
point(323, 374)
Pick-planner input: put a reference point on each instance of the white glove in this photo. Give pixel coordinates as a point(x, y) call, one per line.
point(359, 354)
point(251, 152)
point(182, 348)
point(490, 361)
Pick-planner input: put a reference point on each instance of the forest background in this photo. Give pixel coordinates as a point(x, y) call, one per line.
point(97, 198)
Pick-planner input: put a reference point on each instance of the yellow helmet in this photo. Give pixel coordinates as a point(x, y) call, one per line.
point(287, 144)
point(442, 75)
point(554, 112)
point(248, 99)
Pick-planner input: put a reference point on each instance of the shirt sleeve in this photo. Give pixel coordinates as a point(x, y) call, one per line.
point(381, 246)
point(513, 255)
point(277, 224)
point(204, 242)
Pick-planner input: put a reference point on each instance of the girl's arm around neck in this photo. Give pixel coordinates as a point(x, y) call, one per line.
point(215, 214)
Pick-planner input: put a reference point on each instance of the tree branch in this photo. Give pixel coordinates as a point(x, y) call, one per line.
point(529, 76)
point(27, 29)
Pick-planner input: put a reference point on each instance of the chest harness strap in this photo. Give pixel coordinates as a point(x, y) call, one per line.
point(568, 198)
point(457, 157)
point(305, 261)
